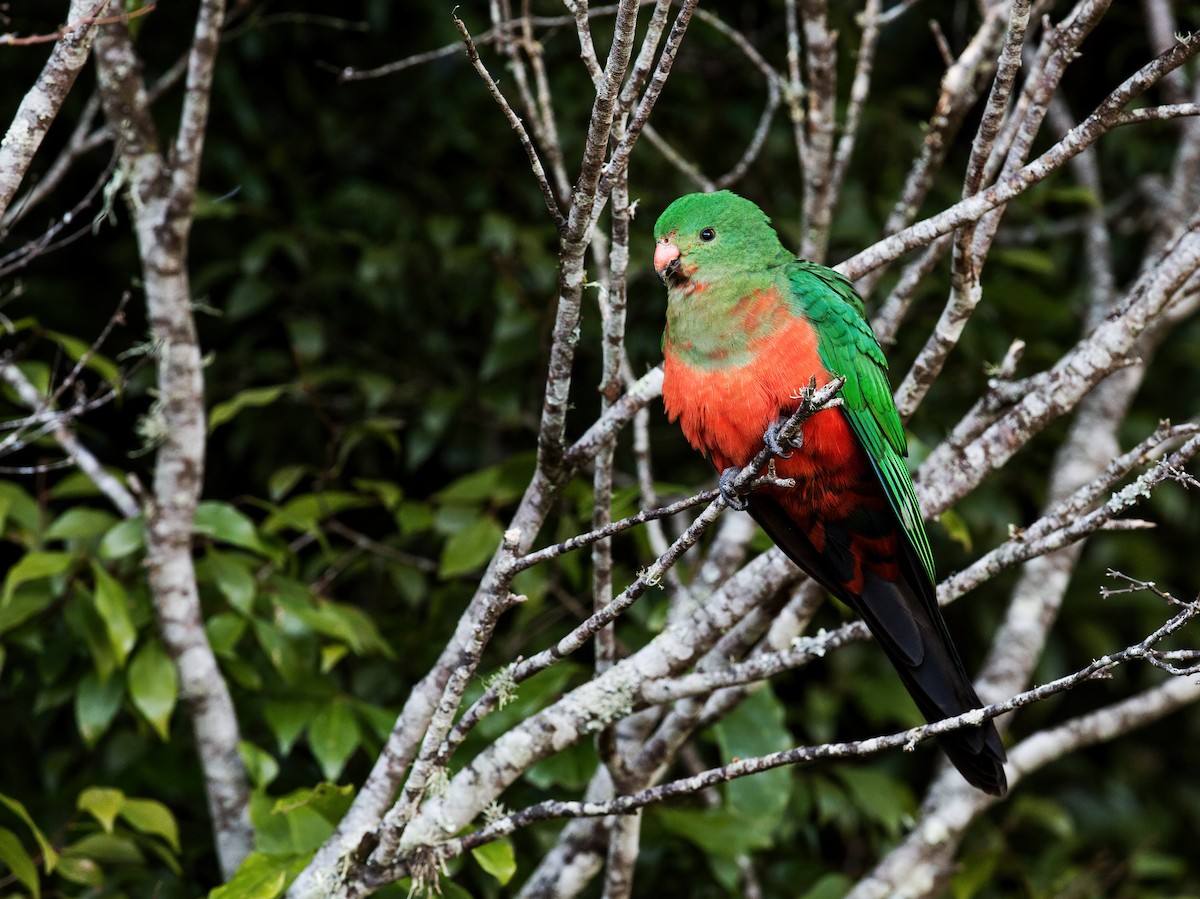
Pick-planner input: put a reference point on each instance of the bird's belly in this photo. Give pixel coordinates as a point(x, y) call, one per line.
point(724, 413)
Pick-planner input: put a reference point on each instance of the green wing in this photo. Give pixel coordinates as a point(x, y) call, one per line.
point(848, 347)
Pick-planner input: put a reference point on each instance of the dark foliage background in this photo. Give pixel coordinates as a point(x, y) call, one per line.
point(376, 277)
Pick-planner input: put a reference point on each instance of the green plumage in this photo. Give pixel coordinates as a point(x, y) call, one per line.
point(848, 348)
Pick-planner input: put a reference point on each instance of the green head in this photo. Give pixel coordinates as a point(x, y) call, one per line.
point(710, 236)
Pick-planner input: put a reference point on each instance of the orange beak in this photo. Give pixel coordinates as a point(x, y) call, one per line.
point(666, 258)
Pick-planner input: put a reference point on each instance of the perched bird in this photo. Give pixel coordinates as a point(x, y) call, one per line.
point(748, 325)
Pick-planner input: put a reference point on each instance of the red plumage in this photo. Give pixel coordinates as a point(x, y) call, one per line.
point(723, 412)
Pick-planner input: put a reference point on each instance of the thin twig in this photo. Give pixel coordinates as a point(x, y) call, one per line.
point(514, 121)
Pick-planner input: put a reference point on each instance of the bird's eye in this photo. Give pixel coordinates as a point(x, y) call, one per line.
point(708, 234)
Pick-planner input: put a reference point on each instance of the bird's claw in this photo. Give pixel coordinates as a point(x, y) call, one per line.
point(732, 498)
point(779, 446)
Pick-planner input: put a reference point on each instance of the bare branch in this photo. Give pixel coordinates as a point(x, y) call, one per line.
point(58, 425)
point(41, 104)
point(535, 162)
point(1080, 138)
point(641, 113)
point(816, 152)
point(1158, 113)
point(961, 86)
point(801, 755)
point(76, 23)
point(161, 202)
point(860, 89)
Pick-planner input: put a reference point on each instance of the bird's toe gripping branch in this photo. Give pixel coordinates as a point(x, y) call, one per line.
point(780, 439)
point(778, 444)
point(729, 490)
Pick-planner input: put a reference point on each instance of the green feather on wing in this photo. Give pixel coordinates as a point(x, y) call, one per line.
point(848, 347)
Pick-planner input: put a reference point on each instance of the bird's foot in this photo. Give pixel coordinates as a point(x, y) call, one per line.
point(732, 498)
point(778, 445)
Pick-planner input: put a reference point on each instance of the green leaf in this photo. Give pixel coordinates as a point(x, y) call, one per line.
point(77, 485)
point(378, 720)
point(308, 337)
point(497, 484)
point(756, 804)
point(260, 876)
point(251, 398)
point(18, 809)
point(381, 429)
point(14, 857)
point(306, 511)
point(330, 801)
point(34, 566)
point(124, 539)
point(224, 631)
point(498, 859)
point(283, 830)
point(974, 873)
point(280, 651)
point(956, 528)
point(1148, 864)
point(210, 206)
point(413, 517)
point(221, 521)
point(260, 764)
point(284, 480)
point(717, 831)
point(150, 816)
point(242, 673)
point(287, 719)
point(346, 623)
point(756, 727)
point(26, 602)
point(1046, 813)
point(17, 506)
point(333, 736)
point(112, 605)
point(570, 768)
point(102, 803)
point(234, 579)
point(1077, 194)
point(450, 890)
point(96, 704)
point(78, 349)
point(1027, 259)
point(831, 886)
point(476, 487)
point(83, 871)
point(80, 522)
point(470, 547)
point(438, 409)
point(331, 654)
point(389, 492)
point(248, 296)
point(80, 614)
point(881, 798)
point(116, 848)
point(154, 686)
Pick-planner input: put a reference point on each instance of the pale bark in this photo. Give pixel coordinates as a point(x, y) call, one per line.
point(41, 103)
point(160, 196)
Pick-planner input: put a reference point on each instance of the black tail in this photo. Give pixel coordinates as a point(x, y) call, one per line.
point(905, 619)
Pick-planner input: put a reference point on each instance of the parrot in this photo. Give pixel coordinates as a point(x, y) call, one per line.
point(748, 326)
